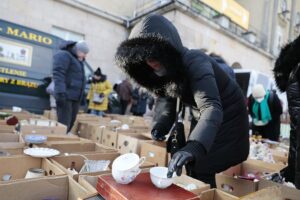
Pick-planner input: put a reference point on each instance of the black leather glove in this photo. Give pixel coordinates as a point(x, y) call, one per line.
point(60, 99)
point(158, 136)
point(179, 159)
point(192, 152)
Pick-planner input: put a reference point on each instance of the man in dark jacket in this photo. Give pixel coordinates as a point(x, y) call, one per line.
point(265, 109)
point(156, 59)
point(69, 80)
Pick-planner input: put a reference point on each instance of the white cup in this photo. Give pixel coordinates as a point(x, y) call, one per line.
point(126, 167)
point(159, 177)
point(35, 173)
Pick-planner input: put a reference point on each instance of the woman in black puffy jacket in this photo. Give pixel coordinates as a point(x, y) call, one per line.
point(287, 76)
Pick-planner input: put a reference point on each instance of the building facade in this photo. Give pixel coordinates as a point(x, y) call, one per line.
point(247, 35)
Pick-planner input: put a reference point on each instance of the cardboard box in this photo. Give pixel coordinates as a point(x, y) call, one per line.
point(7, 128)
point(271, 193)
point(50, 114)
point(62, 187)
point(241, 187)
point(215, 194)
point(13, 149)
point(85, 147)
point(42, 127)
point(17, 166)
point(109, 138)
point(91, 130)
point(130, 143)
point(64, 162)
point(286, 192)
point(280, 156)
point(155, 152)
point(184, 180)
point(87, 118)
point(9, 138)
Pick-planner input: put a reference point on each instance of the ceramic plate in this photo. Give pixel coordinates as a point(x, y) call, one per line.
point(41, 152)
point(35, 139)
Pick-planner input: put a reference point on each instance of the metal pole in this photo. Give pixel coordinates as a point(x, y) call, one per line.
point(292, 22)
point(274, 26)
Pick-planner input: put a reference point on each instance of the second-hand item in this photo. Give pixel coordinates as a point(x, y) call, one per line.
point(35, 173)
point(159, 177)
point(126, 167)
point(94, 166)
point(6, 177)
point(35, 139)
point(41, 152)
point(72, 169)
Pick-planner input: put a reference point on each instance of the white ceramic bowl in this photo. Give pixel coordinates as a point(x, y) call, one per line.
point(159, 177)
point(126, 167)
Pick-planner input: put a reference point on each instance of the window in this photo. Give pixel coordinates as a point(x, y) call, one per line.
point(284, 7)
point(298, 18)
point(66, 34)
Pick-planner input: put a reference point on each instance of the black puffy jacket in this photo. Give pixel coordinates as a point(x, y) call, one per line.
point(287, 76)
point(220, 121)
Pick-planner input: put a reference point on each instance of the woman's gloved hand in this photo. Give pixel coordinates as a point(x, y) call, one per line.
point(179, 159)
point(157, 135)
point(192, 152)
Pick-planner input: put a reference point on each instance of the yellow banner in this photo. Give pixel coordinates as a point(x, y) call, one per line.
point(231, 9)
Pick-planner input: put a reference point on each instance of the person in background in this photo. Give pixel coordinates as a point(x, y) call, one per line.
point(69, 80)
point(265, 109)
point(287, 77)
point(156, 59)
point(139, 101)
point(221, 62)
point(98, 94)
point(114, 105)
point(125, 94)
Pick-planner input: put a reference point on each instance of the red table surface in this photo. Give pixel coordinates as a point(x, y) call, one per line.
point(140, 189)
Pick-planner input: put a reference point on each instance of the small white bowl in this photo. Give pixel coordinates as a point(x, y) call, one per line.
point(159, 177)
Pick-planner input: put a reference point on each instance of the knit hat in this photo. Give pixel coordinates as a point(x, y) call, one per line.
point(258, 91)
point(98, 72)
point(82, 46)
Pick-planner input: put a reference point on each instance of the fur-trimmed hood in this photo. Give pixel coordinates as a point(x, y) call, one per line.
point(155, 37)
point(288, 59)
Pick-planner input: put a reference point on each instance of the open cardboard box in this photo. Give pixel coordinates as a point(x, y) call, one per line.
point(109, 138)
point(13, 148)
point(42, 126)
point(50, 114)
point(4, 128)
point(273, 193)
point(10, 138)
point(241, 187)
point(92, 131)
point(286, 192)
point(130, 143)
point(155, 152)
point(215, 194)
point(82, 147)
point(17, 166)
point(61, 187)
point(89, 118)
point(279, 156)
point(64, 162)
